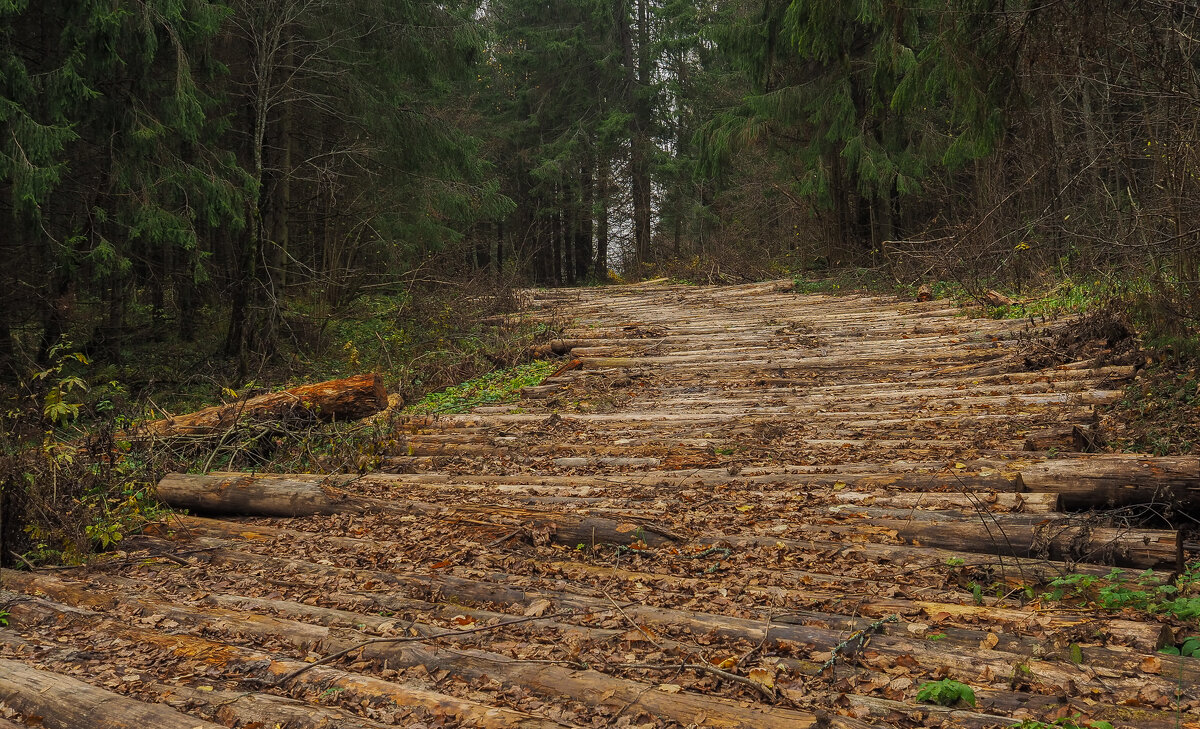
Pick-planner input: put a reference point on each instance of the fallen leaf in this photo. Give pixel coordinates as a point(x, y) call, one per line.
point(537, 608)
point(670, 688)
point(989, 642)
point(763, 677)
point(729, 662)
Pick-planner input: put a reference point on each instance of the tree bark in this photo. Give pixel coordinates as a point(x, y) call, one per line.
point(348, 399)
point(235, 660)
point(306, 495)
point(1116, 480)
point(1061, 540)
point(61, 702)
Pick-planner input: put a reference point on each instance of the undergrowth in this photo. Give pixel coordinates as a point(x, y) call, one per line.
point(73, 484)
point(500, 386)
point(1178, 599)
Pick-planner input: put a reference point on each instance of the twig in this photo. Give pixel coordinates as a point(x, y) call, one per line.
point(24, 561)
point(505, 538)
point(766, 634)
point(766, 691)
point(859, 637)
point(631, 621)
point(414, 639)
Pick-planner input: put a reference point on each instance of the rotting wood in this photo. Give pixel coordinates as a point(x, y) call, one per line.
point(348, 399)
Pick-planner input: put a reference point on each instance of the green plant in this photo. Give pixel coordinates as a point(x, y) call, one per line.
point(499, 386)
point(1179, 599)
point(946, 692)
point(1189, 648)
point(4, 618)
point(936, 636)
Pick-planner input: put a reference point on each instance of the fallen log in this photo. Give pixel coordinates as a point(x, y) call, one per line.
point(349, 399)
point(588, 685)
point(1117, 480)
point(1026, 503)
point(1056, 539)
point(299, 495)
point(247, 663)
point(62, 702)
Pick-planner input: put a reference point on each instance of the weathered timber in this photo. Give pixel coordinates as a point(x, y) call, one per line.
point(552, 680)
point(1116, 480)
point(349, 399)
point(1028, 503)
point(246, 663)
point(1057, 539)
point(307, 495)
point(62, 702)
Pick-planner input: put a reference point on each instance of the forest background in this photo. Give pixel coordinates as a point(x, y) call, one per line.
point(213, 197)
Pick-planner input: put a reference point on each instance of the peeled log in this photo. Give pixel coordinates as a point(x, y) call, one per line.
point(349, 399)
point(1116, 480)
point(61, 702)
point(296, 495)
point(1054, 539)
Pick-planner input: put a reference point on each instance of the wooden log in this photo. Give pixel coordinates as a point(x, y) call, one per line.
point(62, 702)
point(248, 709)
point(1056, 539)
point(586, 685)
point(1026, 503)
point(268, 668)
point(1116, 480)
point(349, 399)
point(307, 495)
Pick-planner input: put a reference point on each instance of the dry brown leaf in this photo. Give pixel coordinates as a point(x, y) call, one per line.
point(537, 608)
point(989, 642)
point(764, 677)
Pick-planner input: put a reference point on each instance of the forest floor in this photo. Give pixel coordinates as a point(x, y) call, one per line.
point(732, 507)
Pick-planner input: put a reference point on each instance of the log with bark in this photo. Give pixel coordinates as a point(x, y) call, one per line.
point(299, 495)
point(1057, 539)
point(348, 399)
point(1117, 480)
point(245, 663)
point(543, 678)
point(62, 702)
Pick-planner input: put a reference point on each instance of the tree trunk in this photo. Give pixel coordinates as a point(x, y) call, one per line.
point(231, 659)
point(602, 219)
point(1059, 540)
point(348, 399)
point(583, 223)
